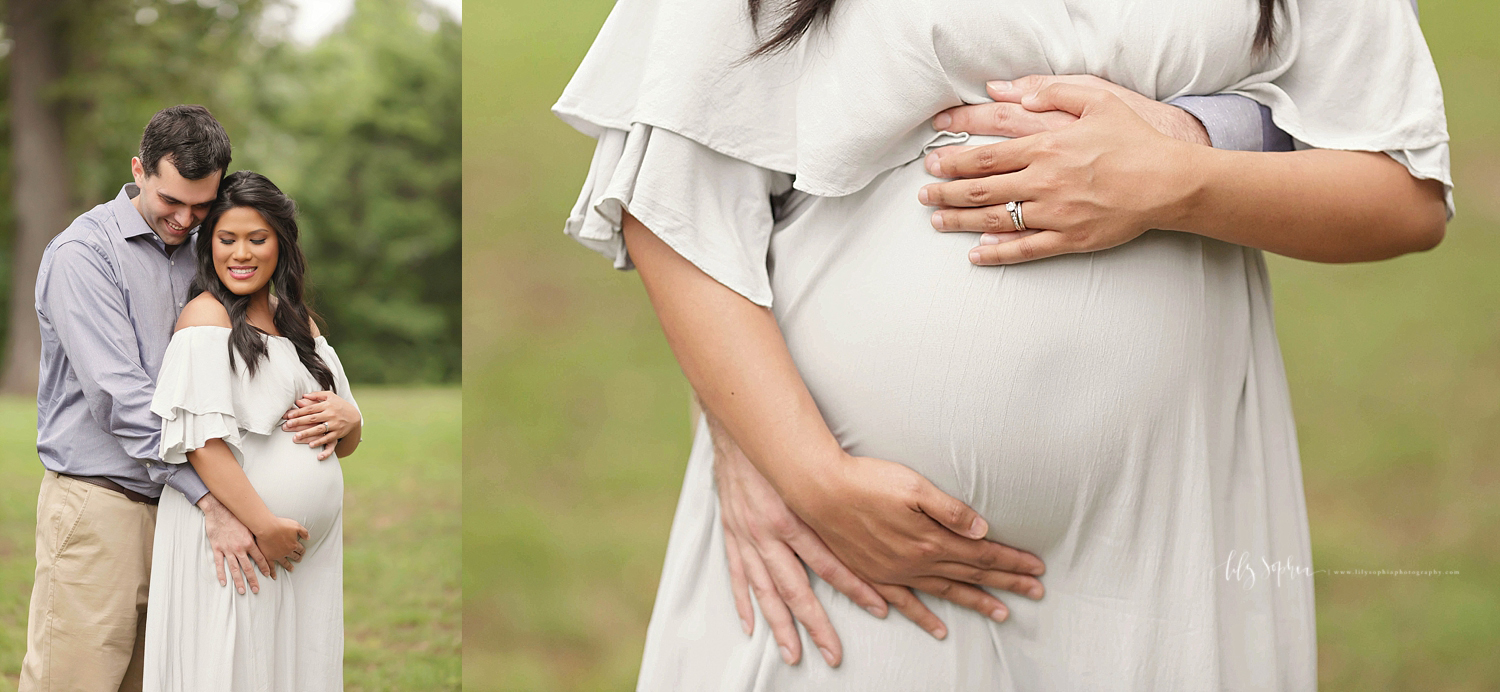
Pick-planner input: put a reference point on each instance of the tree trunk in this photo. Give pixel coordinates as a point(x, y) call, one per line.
point(42, 183)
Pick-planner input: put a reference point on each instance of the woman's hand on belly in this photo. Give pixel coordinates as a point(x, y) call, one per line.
point(896, 530)
point(321, 420)
point(1092, 185)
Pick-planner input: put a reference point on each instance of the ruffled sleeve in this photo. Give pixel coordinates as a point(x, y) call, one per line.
point(692, 140)
point(1358, 76)
point(340, 380)
point(194, 393)
point(713, 209)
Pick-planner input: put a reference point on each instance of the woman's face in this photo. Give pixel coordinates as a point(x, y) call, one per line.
point(245, 250)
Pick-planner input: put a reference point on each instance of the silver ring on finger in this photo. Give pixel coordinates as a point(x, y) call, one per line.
point(326, 429)
point(1016, 219)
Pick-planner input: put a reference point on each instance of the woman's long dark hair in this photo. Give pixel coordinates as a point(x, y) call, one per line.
point(291, 316)
point(802, 15)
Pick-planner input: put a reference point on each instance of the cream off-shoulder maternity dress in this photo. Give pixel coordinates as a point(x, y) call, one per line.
point(1122, 414)
point(200, 635)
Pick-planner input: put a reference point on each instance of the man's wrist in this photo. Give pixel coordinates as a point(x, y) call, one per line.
point(209, 503)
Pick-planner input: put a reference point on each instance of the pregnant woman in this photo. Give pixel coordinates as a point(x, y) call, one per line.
point(241, 357)
point(1096, 382)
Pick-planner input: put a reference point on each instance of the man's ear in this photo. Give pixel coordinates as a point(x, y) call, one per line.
point(137, 170)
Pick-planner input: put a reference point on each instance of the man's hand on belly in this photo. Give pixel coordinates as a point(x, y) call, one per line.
point(1006, 116)
point(764, 540)
point(232, 543)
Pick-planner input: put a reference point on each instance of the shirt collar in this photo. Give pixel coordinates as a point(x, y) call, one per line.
point(131, 223)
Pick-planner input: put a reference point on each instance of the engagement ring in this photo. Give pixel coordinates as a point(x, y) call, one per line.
point(1015, 215)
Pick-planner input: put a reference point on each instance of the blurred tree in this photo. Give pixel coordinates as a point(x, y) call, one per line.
point(41, 176)
point(362, 129)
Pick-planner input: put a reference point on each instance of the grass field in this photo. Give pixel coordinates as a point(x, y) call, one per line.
point(402, 594)
point(576, 429)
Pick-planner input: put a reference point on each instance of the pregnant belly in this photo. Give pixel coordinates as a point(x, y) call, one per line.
point(293, 483)
point(1036, 391)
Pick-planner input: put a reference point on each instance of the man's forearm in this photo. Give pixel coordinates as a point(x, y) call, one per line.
point(1235, 122)
point(184, 478)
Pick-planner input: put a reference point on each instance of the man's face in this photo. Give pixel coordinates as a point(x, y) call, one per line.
point(171, 204)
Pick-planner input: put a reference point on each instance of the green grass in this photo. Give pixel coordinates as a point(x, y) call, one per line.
point(402, 598)
point(576, 434)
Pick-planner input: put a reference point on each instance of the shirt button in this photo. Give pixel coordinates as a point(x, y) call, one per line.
point(179, 305)
point(172, 262)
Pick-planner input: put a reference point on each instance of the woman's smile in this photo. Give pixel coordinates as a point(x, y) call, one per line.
point(245, 250)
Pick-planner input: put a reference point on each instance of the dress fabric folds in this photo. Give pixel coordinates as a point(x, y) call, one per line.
point(1123, 414)
point(204, 636)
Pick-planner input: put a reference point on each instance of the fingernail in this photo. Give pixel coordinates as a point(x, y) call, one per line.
point(745, 625)
point(937, 220)
point(1035, 593)
point(1038, 570)
point(874, 611)
point(827, 655)
point(922, 195)
point(989, 239)
point(1029, 97)
point(979, 528)
point(975, 256)
point(942, 121)
point(999, 614)
point(786, 655)
point(999, 85)
point(940, 632)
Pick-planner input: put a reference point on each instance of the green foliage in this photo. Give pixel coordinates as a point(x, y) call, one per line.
point(362, 129)
point(367, 132)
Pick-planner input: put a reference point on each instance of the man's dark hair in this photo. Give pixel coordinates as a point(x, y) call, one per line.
point(195, 142)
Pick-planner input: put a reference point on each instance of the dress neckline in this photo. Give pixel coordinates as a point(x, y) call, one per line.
point(258, 330)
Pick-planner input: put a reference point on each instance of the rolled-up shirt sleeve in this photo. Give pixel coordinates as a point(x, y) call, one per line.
point(183, 477)
point(1235, 123)
point(87, 311)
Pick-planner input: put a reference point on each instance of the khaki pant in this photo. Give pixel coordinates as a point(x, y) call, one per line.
point(88, 608)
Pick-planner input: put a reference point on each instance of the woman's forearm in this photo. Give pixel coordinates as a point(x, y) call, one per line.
point(736, 360)
point(226, 481)
point(1105, 179)
point(349, 442)
point(1318, 205)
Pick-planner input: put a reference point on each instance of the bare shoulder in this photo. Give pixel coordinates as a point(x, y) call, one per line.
point(313, 324)
point(203, 311)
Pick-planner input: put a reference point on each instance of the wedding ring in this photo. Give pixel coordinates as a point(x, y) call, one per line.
point(1015, 215)
point(326, 429)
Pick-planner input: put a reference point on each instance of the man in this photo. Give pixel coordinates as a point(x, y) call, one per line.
point(108, 293)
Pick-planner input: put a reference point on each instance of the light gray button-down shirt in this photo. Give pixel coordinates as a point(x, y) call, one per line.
point(107, 297)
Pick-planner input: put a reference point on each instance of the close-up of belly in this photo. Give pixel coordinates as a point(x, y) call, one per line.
point(293, 483)
point(1026, 390)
